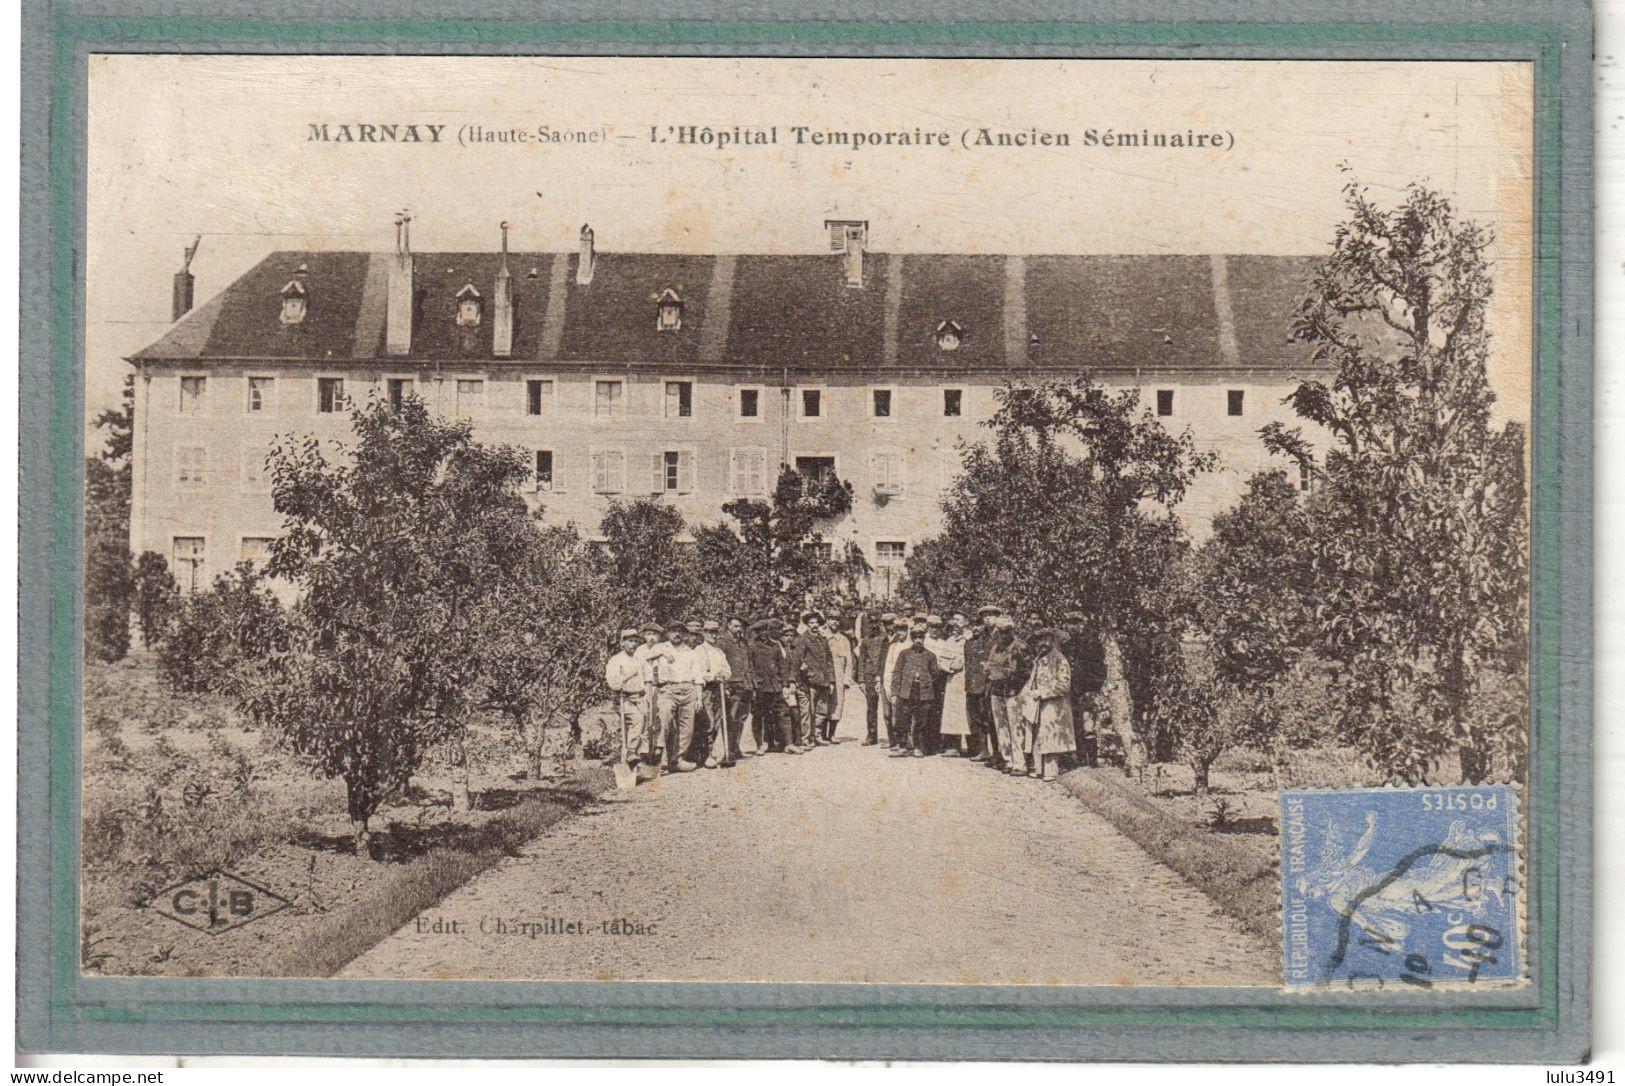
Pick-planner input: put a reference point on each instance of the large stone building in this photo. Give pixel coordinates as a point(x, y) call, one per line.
point(691, 377)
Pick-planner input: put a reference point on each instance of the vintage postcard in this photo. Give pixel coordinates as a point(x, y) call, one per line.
point(1028, 523)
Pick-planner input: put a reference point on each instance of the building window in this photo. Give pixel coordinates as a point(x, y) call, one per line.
point(193, 390)
point(1165, 401)
point(468, 307)
point(815, 468)
point(953, 402)
point(674, 472)
point(329, 395)
point(949, 335)
point(747, 471)
point(889, 559)
point(1234, 399)
point(750, 403)
point(812, 403)
point(882, 403)
point(536, 393)
point(545, 478)
point(399, 389)
point(1303, 477)
point(608, 471)
point(470, 398)
point(609, 399)
point(189, 555)
point(191, 464)
point(254, 548)
point(679, 399)
point(255, 477)
point(260, 392)
point(886, 469)
point(668, 312)
point(820, 548)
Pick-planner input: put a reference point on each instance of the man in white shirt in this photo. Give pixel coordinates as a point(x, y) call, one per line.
point(714, 672)
point(629, 679)
point(677, 673)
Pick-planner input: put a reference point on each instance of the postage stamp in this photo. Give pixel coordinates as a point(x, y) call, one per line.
point(1386, 887)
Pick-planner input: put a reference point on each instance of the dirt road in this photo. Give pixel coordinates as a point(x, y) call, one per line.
point(842, 864)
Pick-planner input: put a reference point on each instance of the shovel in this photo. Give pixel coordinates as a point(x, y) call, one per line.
point(626, 778)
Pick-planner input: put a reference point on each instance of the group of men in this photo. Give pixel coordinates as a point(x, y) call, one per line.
point(685, 694)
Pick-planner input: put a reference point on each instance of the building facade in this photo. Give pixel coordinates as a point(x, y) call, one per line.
point(692, 378)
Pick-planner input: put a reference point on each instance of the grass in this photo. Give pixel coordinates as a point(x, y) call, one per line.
point(444, 858)
point(1235, 877)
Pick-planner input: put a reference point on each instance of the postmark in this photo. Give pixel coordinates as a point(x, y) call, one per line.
point(1413, 888)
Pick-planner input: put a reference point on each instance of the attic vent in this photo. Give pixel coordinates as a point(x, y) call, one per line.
point(669, 311)
point(949, 335)
point(295, 301)
point(469, 306)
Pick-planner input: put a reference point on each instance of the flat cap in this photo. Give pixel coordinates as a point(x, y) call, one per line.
point(1005, 622)
point(1075, 616)
point(630, 631)
point(988, 609)
point(693, 627)
point(933, 620)
point(651, 627)
point(712, 625)
point(888, 616)
point(1044, 631)
point(675, 627)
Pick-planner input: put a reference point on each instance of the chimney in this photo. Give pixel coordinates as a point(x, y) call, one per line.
point(400, 302)
point(502, 305)
point(584, 266)
point(180, 302)
point(849, 237)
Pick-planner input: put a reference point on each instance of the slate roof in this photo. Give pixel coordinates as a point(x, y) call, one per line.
point(768, 312)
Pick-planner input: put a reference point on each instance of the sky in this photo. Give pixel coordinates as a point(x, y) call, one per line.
point(219, 147)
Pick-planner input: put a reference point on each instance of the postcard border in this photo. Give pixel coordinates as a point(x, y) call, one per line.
point(60, 1010)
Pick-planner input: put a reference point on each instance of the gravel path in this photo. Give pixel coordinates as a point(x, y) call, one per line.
point(842, 864)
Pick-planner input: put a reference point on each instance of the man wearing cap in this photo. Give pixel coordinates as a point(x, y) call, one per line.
point(914, 689)
point(871, 663)
point(1049, 693)
point(768, 678)
point(978, 710)
point(843, 665)
point(629, 678)
point(813, 670)
point(1088, 663)
point(653, 647)
point(1007, 671)
point(897, 737)
point(713, 740)
point(677, 674)
point(738, 688)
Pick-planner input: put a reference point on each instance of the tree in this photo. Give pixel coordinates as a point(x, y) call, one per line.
point(1420, 537)
point(1070, 505)
point(109, 580)
point(393, 551)
point(155, 597)
point(653, 573)
point(1244, 596)
point(782, 562)
point(546, 631)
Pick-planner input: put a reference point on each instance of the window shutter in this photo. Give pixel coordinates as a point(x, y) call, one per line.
point(657, 473)
point(558, 471)
point(899, 472)
point(685, 472)
point(600, 476)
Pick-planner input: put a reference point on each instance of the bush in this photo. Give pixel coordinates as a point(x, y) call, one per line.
point(218, 632)
point(155, 597)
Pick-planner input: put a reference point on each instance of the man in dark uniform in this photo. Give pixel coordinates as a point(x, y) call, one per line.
point(767, 682)
point(1087, 659)
point(871, 666)
point(914, 691)
point(978, 710)
point(737, 689)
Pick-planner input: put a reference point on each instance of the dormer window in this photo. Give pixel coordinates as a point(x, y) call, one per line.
point(469, 306)
point(668, 311)
point(949, 335)
point(294, 302)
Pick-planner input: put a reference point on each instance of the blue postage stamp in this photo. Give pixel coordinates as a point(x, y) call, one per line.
point(1412, 888)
